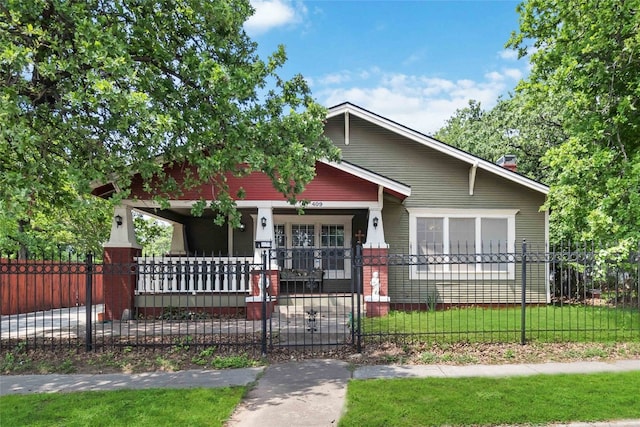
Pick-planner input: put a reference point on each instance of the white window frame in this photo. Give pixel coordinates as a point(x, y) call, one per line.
point(477, 214)
point(318, 221)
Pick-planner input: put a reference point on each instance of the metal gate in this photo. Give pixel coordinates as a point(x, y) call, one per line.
point(319, 298)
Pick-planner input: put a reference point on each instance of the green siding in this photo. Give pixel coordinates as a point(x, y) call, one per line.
point(438, 180)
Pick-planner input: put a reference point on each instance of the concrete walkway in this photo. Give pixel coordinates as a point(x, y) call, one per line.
point(307, 393)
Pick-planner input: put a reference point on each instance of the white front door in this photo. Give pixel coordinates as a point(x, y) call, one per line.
point(310, 242)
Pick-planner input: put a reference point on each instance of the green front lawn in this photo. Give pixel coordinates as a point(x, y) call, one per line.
point(154, 407)
point(576, 323)
point(533, 400)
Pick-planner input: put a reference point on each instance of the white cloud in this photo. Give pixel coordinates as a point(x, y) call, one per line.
point(494, 76)
point(422, 103)
point(342, 77)
point(508, 54)
point(513, 73)
point(271, 14)
point(335, 78)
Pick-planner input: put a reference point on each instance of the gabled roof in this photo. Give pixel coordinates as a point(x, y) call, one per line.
point(348, 108)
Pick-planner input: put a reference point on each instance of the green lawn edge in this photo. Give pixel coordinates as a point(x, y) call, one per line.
point(528, 400)
point(140, 408)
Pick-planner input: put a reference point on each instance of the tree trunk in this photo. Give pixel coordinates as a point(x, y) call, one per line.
point(22, 247)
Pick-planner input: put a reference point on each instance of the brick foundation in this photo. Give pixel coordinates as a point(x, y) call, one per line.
point(377, 308)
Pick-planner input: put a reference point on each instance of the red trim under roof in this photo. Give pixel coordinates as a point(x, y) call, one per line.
point(329, 184)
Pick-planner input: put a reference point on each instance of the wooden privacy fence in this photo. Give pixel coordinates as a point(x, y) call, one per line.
point(40, 285)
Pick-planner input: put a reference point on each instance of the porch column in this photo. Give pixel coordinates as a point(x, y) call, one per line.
point(178, 246)
point(264, 232)
point(375, 253)
point(375, 230)
point(123, 234)
point(118, 278)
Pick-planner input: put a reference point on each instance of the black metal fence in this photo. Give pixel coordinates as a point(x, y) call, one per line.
point(320, 298)
point(569, 293)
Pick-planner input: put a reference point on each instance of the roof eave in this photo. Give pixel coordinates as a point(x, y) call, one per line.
point(436, 145)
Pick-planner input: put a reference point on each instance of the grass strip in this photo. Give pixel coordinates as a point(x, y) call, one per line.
point(531, 400)
point(152, 407)
point(576, 323)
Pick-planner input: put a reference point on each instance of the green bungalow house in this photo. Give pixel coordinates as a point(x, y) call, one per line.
point(436, 223)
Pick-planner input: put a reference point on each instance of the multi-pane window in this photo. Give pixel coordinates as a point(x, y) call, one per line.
point(303, 235)
point(463, 243)
point(303, 242)
point(280, 235)
point(332, 243)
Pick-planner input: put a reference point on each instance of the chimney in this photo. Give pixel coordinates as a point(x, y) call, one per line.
point(508, 161)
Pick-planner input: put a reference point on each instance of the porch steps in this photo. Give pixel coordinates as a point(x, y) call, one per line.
point(330, 326)
point(324, 305)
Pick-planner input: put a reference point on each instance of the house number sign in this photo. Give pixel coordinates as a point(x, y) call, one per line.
point(315, 204)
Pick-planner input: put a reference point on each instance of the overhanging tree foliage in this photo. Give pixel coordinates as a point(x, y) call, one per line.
point(516, 125)
point(95, 90)
point(587, 53)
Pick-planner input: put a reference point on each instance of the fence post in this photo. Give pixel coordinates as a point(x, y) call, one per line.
point(638, 274)
point(523, 299)
point(89, 302)
point(263, 290)
point(356, 326)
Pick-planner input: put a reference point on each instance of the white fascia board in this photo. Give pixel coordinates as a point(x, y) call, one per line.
point(462, 212)
point(370, 176)
point(313, 204)
point(339, 109)
point(437, 145)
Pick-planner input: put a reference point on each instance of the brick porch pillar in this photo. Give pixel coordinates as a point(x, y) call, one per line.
point(375, 265)
point(254, 301)
point(375, 268)
point(119, 280)
point(263, 233)
point(119, 276)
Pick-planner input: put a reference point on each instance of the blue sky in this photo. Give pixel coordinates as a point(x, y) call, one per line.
point(414, 62)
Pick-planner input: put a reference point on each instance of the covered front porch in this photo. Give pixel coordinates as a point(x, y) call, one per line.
point(310, 245)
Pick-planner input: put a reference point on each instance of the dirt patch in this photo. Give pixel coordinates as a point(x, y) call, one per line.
point(20, 360)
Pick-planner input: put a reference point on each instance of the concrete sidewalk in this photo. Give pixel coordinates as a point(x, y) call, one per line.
point(307, 393)
point(54, 383)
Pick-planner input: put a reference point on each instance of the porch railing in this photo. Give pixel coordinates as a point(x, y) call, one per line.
point(194, 274)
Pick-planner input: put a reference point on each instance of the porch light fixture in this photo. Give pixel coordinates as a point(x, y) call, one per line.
point(241, 227)
point(118, 219)
point(263, 222)
point(375, 222)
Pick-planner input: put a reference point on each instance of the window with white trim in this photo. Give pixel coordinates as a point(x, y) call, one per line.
point(462, 244)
